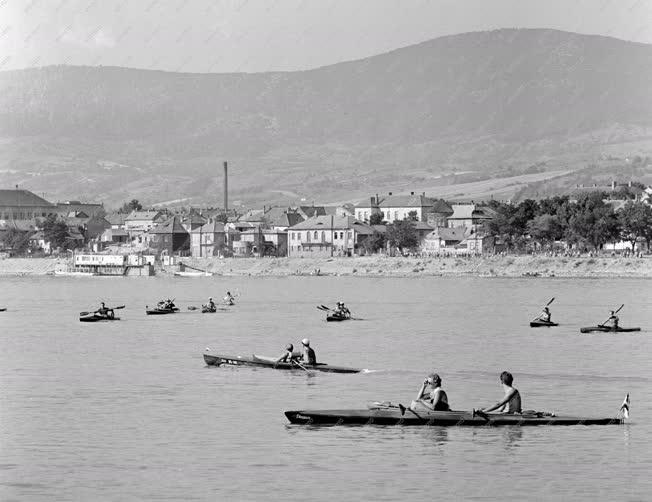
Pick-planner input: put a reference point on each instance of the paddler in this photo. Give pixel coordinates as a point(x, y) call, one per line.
point(105, 311)
point(309, 356)
point(511, 403)
point(342, 310)
point(545, 315)
point(211, 305)
point(288, 356)
point(613, 320)
point(229, 298)
point(431, 395)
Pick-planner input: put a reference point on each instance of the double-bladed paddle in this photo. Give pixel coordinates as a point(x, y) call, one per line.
point(108, 308)
point(615, 312)
point(551, 300)
point(404, 408)
point(294, 361)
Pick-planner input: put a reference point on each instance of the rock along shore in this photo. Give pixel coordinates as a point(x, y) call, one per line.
point(381, 266)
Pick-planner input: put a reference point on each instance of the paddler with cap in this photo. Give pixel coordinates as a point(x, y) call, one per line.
point(309, 356)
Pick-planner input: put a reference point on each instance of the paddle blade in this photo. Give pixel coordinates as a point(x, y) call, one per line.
point(119, 307)
point(620, 308)
point(85, 313)
point(402, 408)
point(551, 300)
point(624, 409)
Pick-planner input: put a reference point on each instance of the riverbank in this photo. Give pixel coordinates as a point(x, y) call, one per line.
point(381, 266)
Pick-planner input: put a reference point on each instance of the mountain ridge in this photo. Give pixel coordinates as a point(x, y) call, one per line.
point(480, 101)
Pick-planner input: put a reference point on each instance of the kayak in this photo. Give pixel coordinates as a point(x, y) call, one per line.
point(392, 415)
point(3, 309)
point(540, 323)
point(270, 362)
point(97, 318)
point(205, 310)
point(608, 329)
point(337, 318)
point(161, 311)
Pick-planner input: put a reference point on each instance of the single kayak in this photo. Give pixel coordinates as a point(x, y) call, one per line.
point(2, 309)
point(161, 311)
point(97, 318)
point(395, 416)
point(608, 329)
point(541, 323)
point(270, 362)
point(337, 317)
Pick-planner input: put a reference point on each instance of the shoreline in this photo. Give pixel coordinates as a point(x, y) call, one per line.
point(380, 266)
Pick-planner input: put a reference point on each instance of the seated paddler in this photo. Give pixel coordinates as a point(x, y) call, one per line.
point(545, 315)
point(431, 396)
point(511, 403)
point(289, 355)
point(308, 355)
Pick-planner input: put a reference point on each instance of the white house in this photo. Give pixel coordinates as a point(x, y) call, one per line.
point(327, 236)
point(395, 207)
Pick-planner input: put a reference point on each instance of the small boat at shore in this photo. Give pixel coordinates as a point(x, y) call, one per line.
point(395, 415)
point(540, 323)
point(97, 318)
point(608, 329)
point(270, 362)
point(193, 274)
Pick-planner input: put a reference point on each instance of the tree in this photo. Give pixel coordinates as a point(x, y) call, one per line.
point(16, 240)
point(413, 216)
point(56, 232)
point(374, 243)
point(402, 235)
point(593, 222)
point(376, 219)
point(132, 205)
point(545, 228)
point(635, 221)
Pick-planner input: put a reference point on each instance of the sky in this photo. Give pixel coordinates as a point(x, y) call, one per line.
point(276, 35)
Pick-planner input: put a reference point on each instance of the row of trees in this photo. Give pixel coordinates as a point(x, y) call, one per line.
point(588, 222)
point(55, 231)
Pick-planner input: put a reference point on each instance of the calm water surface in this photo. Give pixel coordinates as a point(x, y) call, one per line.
point(129, 411)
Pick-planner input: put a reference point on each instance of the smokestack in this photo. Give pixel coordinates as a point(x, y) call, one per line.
point(226, 187)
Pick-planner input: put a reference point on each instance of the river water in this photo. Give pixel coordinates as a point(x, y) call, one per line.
point(128, 410)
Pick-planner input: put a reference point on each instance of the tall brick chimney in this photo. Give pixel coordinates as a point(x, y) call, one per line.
point(226, 187)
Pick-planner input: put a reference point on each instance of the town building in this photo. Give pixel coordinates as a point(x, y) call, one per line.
point(327, 236)
point(470, 215)
point(21, 209)
point(211, 239)
point(395, 207)
point(138, 222)
point(170, 237)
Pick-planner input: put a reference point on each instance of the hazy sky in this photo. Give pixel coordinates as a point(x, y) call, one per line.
point(262, 35)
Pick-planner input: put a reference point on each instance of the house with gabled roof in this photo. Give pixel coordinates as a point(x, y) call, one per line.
point(327, 236)
point(138, 222)
point(170, 237)
point(211, 239)
point(23, 206)
point(395, 207)
point(470, 215)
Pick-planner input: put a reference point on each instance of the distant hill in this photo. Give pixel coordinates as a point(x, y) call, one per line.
point(483, 103)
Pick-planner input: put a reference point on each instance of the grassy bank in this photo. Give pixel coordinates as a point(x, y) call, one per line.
point(380, 266)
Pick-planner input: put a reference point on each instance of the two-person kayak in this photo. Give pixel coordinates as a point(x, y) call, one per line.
point(405, 416)
point(608, 329)
point(270, 362)
point(158, 311)
point(95, 317)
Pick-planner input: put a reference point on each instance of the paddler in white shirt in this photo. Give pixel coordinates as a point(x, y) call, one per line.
point(431, 395)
